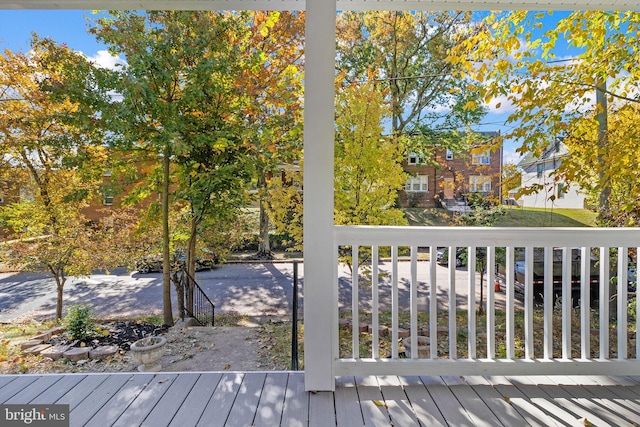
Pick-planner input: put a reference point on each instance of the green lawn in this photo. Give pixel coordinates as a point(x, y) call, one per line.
point(540, 217)
point(514, 217)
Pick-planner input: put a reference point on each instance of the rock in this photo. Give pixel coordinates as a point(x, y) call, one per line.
point(103, 352)
point(55, 352)
point(45, 336)
point(363, 327)
point(30, 343)
point(56, 330)
point(403, 333)
point(382, 330)
point(423, 347)
point(36, 349)
point(76, 353)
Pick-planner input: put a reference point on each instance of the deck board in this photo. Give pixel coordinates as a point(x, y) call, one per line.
point(86, 401)
point(61, 387)
point(269, 412)
point(321, 409)
point(34, 389)
point(119, 401)
point(162, 414)
point(348, 411)
point(426, 410)
point(246, 403)
point(278, 398)
point(374, 411)
point(532, 413)
point(82, 390)
point(453, 412)
point(397, 401)
point(198, 397)
point(14, 387)
point(295, 411)
point(146, 400)
point(476, 407)
point(504, 411)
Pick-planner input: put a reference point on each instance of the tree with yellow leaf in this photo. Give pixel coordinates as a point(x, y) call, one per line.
point(43, 137)
point(589, 100)
point(406, 55)
point(274, 116)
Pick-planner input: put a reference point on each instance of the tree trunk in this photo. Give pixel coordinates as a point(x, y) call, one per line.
point(60, 288)
point(178, 282)
point(166, 264)
point(603, 129)
point(58, 275)
point(264, 246)
point(191, 263)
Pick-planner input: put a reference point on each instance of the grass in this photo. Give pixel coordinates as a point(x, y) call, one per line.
point(11, 335)
point(540, 217)
point(514, 217)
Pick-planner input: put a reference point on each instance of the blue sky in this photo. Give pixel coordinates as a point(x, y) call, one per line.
point(70, 27)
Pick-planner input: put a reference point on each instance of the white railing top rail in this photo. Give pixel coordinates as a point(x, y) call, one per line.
point(487, 236)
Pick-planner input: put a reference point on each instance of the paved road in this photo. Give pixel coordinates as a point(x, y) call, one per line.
point(253, 289)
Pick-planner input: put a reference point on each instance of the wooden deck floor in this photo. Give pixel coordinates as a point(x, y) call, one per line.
point(278, 398)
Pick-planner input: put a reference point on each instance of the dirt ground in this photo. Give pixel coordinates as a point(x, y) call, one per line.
point(216, 349)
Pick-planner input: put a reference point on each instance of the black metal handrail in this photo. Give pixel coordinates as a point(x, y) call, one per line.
point(196, 303)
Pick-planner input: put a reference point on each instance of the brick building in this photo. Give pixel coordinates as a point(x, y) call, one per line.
point(455, 175)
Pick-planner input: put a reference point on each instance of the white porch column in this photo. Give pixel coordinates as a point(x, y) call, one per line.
point(320, 255)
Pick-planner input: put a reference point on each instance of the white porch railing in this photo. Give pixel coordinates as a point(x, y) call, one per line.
point(524, 335)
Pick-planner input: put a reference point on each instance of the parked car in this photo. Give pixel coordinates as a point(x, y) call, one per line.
point(575, 273)
point(442, 256)
point(154, 262)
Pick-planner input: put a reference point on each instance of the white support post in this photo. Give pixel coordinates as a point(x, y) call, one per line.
point(528, 303)
point(471, 302)
point(433, 303)
point(548, 302)
point(453, 345)
point(585, 303)
point(320, 252)
point(604, 303)
point(623, 264)
point(413, 301)
point(566, 303)
point(375, 305)
point(394, 302)
point(510, 302)
point(491, 303)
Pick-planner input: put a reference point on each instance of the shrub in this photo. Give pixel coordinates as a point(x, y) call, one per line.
point(79, 322)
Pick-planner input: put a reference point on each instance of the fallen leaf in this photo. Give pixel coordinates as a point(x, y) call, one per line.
point(227, 366)
point(379, 403)
point(506, 399)
point(585, 422)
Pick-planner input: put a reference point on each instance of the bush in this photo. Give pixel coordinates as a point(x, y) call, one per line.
point(79, 322)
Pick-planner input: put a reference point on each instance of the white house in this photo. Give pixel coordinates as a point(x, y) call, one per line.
point(554, 193)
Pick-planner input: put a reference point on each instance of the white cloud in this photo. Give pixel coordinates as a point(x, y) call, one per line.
point(500, 105)
point(104, 59)
point(510, 156)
